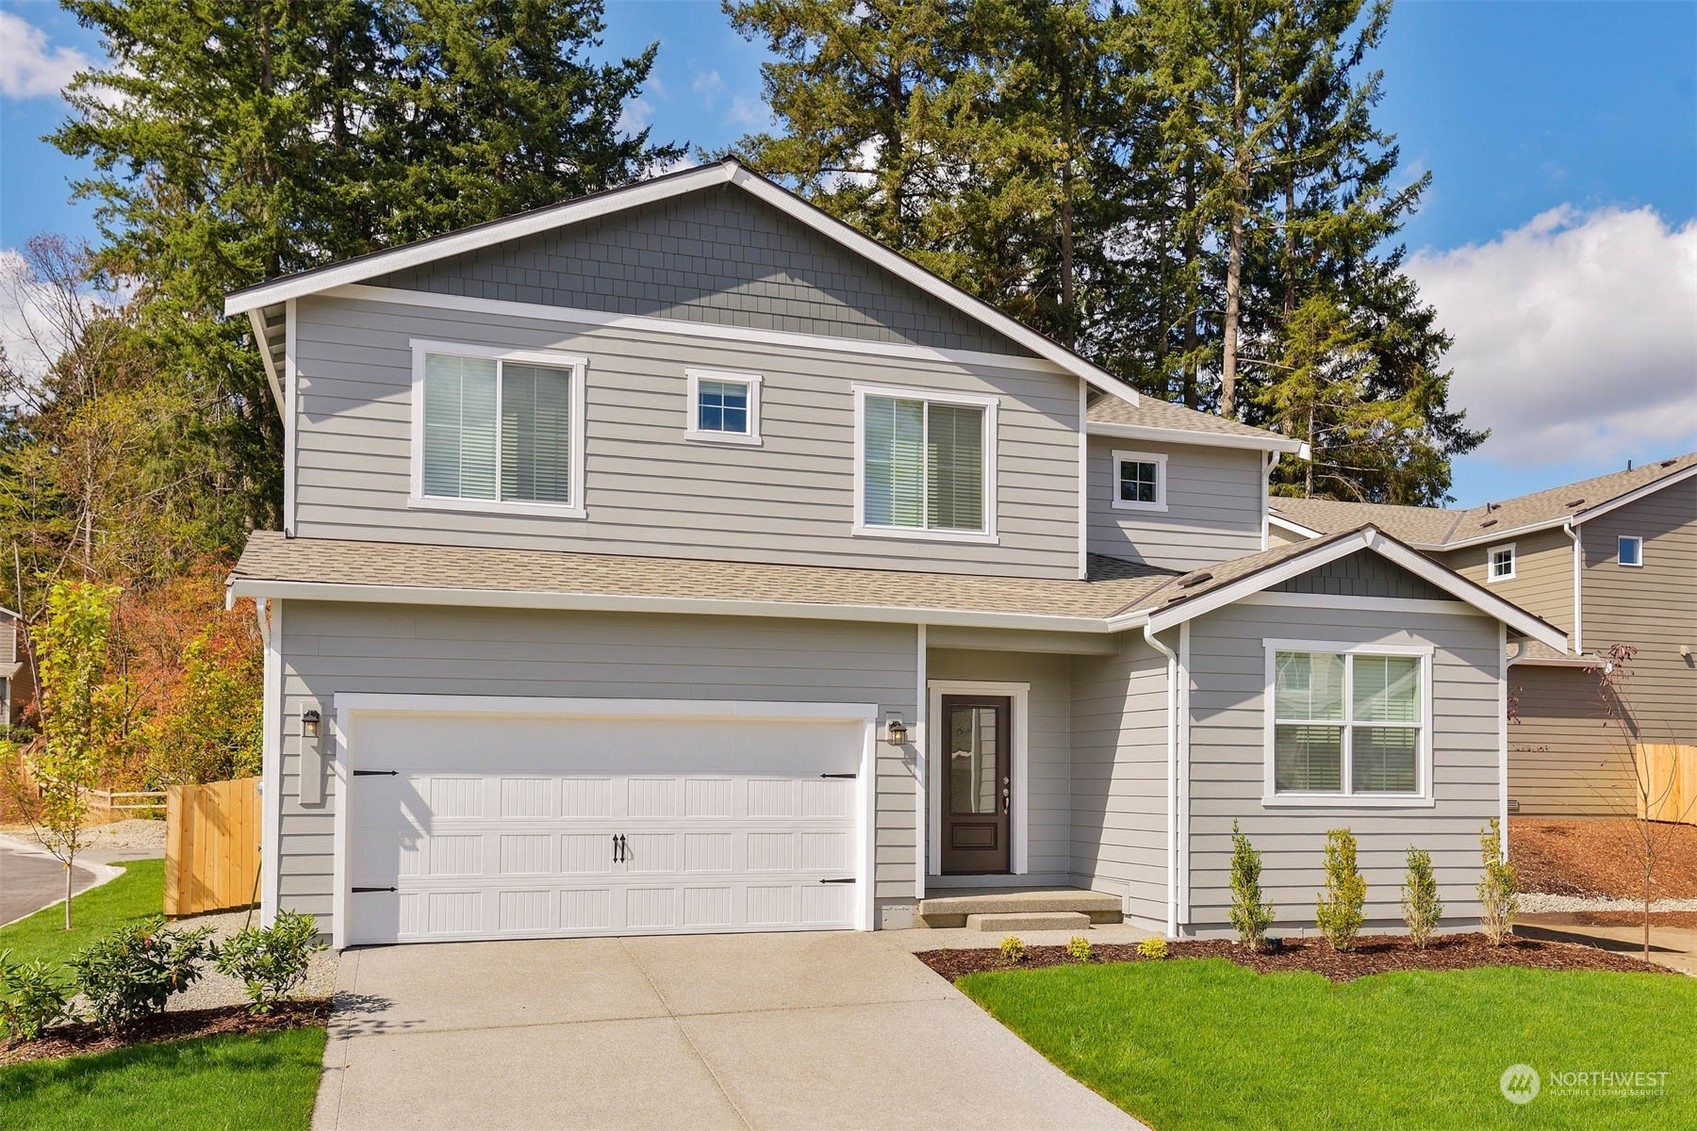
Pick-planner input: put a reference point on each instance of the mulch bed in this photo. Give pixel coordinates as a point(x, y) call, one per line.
point(1374, 954)
point(229, 1020)
point(1599, 858)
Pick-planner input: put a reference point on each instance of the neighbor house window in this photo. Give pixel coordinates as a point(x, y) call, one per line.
point(1630, 550)
point(1347, 724)
point(925, 464)
point(1140, 481)
point(723, 407)
point(1500, 563)
point(497, 429)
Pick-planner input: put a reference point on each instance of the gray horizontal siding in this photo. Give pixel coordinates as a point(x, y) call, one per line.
point(1228, 673)
point(1049, 733)
point(718, 256)
point(1119, 777)
point(649, 490)
point(332, 649)
point(1214, 498)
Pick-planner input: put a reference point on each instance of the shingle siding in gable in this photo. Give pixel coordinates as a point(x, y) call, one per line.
point(716, 256)
point(1364, 575)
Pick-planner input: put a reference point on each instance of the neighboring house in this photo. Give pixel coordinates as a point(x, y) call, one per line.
point(678, 559)
point(1611, 560)
point(16, 688)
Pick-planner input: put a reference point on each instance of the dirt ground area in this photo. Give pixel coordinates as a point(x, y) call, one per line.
point(1599, 857)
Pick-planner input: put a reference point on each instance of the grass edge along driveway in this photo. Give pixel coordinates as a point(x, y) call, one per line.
point(136, 894)
point(1205, 1043)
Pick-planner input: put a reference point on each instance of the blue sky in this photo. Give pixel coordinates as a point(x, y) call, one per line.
point(1559, 240)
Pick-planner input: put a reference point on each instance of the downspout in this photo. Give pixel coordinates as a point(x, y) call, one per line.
point(1172, 778)
point(1578, 579)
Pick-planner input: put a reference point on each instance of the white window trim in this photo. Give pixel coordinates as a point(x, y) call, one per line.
point(573, 507)
point(1639, 564)
point(1160, 462)
point(989, 404)
point(1513, 562)
point(1421, 797)
point(692, 419)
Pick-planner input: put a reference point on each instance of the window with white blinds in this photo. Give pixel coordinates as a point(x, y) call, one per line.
point(499, 430)
point(924, 463)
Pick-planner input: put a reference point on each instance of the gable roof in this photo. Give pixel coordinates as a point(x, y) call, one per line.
point(1432, 528)
point(1118, 594)
point(256, 299)
point(1158, 420)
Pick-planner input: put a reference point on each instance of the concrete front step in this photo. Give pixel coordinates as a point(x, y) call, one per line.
point(951, 908)
point(1030, 921)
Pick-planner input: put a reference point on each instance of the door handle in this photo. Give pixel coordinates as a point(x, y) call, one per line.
point(1004, 801)
point(624, 849)
point(615, 848)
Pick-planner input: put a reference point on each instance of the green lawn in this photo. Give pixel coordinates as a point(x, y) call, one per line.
point(139, 892)
point(242, 1083)
point(1208, 1043)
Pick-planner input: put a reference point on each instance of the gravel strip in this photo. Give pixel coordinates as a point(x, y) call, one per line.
point(129, 836)
point(1535, 903)
point(215, 989)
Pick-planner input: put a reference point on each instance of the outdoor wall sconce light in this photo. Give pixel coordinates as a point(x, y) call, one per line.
point(309, 725)
point(895, 733)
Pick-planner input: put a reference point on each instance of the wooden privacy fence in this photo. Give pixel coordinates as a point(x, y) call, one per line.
point(1670, 774)
point(212, 835)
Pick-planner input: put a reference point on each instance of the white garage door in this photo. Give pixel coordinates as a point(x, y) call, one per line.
point(477, 827)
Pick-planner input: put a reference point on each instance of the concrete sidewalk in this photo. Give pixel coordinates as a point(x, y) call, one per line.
point(774, 1031)
point(1673, 947)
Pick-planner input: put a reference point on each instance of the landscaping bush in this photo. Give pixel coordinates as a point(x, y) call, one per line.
point(1499, 900)
point(1152, 947)
point(131, 973)
point(31, 999)
point(1250, 917)
point(1338, 910)
point(1079, 947)
point(271, 961)
point(1013, 949)
point(1421, 908)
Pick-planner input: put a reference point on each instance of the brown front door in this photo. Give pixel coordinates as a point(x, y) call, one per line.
point(977, 783)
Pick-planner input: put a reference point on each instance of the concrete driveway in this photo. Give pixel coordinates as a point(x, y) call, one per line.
point(803, 1031)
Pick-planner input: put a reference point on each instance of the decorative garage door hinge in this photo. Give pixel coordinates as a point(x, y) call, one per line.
point(839, 775)
point(358, 891)
point(375, 773)
point(845, 880)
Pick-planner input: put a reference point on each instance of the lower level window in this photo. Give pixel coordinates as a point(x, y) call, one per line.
point(1347, 723)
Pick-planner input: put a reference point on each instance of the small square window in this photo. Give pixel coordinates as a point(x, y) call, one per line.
point(1140, 481)
point(1630, 550)
point(1500, 563)
point(723, 407)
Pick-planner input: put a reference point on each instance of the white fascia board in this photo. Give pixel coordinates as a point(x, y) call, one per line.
point(256, 319)
point(1293, 527)
point(1267, 443)
point(1553, 661)
point(910, 272)
point(1493, 537)
point(1413, 561)
point(401, 703)
point(1633, 496)
point(471, 239)
point(683, 606)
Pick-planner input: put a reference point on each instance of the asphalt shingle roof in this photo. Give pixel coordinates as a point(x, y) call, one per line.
point(1150, 412)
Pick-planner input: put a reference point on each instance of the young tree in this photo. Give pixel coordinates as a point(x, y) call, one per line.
point(1422, 910)
point(76, 738)
point(1338, 909)
point(1250, 917)
point(1499, 895)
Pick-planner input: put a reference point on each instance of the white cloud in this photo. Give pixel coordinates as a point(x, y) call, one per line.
point(28, 69)
point(706, 85)
point(746, 111)
point(635, 116)
point(1575, 335)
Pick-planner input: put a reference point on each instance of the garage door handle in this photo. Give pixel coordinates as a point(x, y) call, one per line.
point(620, 852)
point(358, 891)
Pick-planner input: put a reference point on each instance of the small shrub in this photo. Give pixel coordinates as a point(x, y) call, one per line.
point(1499, 899)
point(1152, 947)
point(1250, 917)
point(271, 961)
point(1338, 910)
point(1422, 910)
point(31, 999)
point(1079, 947)
point(1013, 949)
point(131, 973)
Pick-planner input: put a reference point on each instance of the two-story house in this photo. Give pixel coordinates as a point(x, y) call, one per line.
point(1610, 560)
point(678, 559)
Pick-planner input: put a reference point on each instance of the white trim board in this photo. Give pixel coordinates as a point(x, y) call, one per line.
point(1019, 726)
point(728, 171)
point(348, 706)
point(1270, 442)
point(989, 405)
point(693, 376)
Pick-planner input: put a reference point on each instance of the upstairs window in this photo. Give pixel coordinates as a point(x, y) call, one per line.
point(1347, 725)
point(1140, 481)
point(723, 407)
point(1500, 563)
point(925, 464)
point(1630, 550)
point(497, 430)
